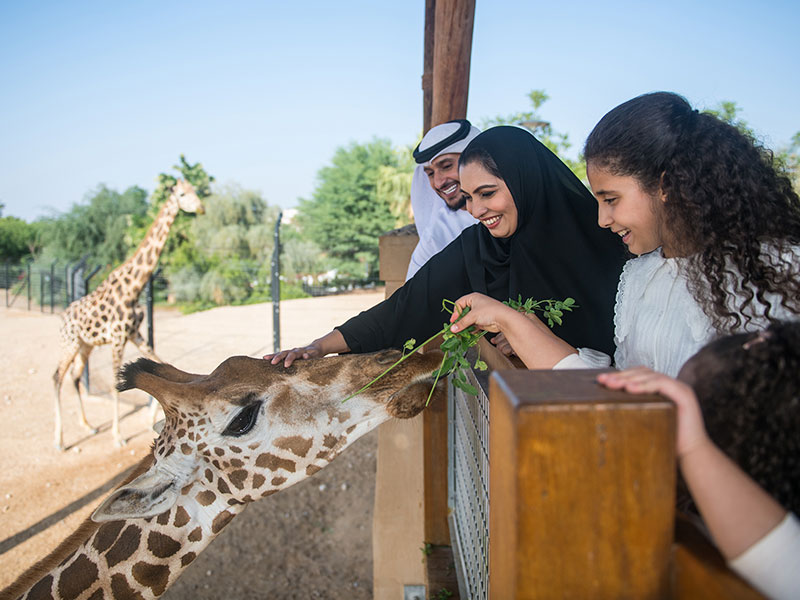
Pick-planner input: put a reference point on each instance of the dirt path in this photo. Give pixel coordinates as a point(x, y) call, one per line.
point(310, 541)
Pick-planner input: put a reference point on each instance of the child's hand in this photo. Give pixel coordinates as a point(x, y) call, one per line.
point(640, 380)
point(484, 313)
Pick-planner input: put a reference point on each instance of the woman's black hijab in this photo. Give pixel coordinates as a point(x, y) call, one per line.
point(557, 251)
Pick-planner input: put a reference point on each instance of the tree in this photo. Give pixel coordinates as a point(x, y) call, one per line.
point(346, 214)
point(100, 228)
point(16, 238)
point(532, 121)
point(228, 261)
point(787, 159)
point(394, 186)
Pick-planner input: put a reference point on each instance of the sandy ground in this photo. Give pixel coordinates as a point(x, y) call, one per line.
point(309, 541)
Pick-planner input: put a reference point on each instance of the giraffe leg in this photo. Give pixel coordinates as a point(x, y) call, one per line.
point(79, 363)
point(140, 343)
point(116, 362)
point(67, 356)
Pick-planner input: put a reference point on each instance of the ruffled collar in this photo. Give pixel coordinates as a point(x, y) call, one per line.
point(640, 274)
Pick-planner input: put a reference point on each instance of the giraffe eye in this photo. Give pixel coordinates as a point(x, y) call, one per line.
point(244, 420)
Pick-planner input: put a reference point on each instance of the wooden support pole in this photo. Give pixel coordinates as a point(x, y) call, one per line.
point(451, 59)
point(582, 488)
point(398, 520)
point(427, 65)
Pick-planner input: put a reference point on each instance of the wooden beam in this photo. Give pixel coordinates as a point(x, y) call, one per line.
point(582, 488)
point(451, 59)
point(700, 571)
point(427, 65)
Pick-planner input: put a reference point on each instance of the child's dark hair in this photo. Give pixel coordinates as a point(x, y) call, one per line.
point(725, 199)
point(748, 386)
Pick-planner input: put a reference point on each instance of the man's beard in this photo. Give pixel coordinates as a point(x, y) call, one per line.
point(462, 202)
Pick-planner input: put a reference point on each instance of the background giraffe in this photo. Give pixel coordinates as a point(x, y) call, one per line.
point(110, 315)
point(244, 432)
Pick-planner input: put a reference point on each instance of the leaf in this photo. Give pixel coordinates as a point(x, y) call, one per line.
point(409, 344)
point(448, 364)
point(480, 365)
point(463, 385)
point(450, 345)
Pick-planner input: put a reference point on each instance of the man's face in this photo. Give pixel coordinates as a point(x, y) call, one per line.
point(443, 175)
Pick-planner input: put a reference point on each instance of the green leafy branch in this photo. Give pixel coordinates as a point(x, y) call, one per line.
point(552, 310)
point(456, 344)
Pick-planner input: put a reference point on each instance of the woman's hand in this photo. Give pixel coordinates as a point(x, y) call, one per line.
point(329, 343)
point(640, 380)
point(531, 340)
point(289, 356)
point(501, 343)
point(484, 313)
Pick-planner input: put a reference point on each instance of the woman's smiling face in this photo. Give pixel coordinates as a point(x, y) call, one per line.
point(489, 200)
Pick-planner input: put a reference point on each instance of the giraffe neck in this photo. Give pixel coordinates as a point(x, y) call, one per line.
point(123, 558)
point(137, 269)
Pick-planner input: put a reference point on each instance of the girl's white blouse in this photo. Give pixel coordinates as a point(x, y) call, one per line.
point(657, 322)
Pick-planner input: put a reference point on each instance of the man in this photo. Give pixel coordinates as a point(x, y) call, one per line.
point(435, 192)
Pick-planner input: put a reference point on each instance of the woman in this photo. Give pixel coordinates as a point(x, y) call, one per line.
point(536, 238)
point(715, 225)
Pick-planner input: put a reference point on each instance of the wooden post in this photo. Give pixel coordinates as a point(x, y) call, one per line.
point(582, 488)
point(427, 65)
point(398, 520)
point(394, 251)
point(451, 59)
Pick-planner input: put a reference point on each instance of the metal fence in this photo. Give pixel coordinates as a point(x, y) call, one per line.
point(47, 286)
point(53, 287)
point(340, 286)
point(468, 485)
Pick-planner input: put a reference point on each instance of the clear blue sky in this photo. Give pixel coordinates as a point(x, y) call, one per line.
point(263, 92)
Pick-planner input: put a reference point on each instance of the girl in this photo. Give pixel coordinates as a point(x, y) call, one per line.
point(715, 226)
point(742, 467)
point(536, 237)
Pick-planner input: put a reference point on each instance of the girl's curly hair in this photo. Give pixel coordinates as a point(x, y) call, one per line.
point(726, 202)
point(748, 386)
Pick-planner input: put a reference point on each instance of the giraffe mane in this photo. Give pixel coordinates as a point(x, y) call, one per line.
point(72, 542)
point(126, 379)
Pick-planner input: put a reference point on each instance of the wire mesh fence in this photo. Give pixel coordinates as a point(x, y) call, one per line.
point(468, 484)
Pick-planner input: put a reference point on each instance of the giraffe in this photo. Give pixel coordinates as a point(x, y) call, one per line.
point(109, 315)
point(242, 433)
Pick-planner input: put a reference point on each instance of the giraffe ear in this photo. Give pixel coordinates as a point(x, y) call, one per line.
point(148, 495)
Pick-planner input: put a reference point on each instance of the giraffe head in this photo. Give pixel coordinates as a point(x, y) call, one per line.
point(187, 198)
point(251, 428)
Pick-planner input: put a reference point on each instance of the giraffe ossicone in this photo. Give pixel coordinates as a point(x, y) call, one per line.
point(110, 315)
point(241, 433)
